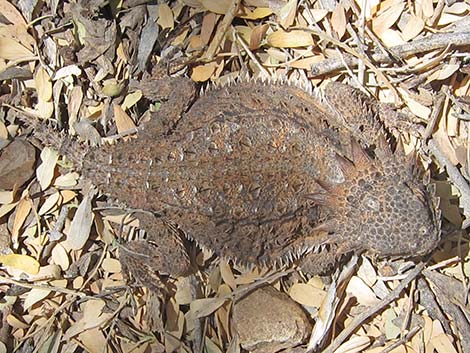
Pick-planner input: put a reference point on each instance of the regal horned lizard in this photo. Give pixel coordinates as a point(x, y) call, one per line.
point(265, 172)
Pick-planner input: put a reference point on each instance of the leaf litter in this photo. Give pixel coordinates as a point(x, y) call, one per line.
point(67, 63)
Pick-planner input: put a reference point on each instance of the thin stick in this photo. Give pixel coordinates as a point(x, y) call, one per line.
point(224, 25)
point(433, 42)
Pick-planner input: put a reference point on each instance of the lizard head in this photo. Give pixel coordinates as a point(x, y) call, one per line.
point(383, 207)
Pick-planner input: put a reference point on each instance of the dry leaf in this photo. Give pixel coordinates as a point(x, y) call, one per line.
point(391, 330)
point(131, 99)
point(123, 121)
point(21, 262)
point(446, 71)
point(81, 224)
point(390, 11)
point(66, 71)
point(111, 265)
point(11, 13)
point(338, 21)
point(206, 306)
point(22, 211)
point(45, 172)
point(413, 27)
point(259, 12)
point(51, 201)
point(34, 296)
point(307, 294)
point(227, 275)
point(286, 14)
point(257, 35)
point(43, 84)
point(355, 344)
point(93, 341)
point(443, 344)
point(291, 39)
point(165, 16)
point(44, 109)
point(219, 7)
point(363, 293)
point(12, 50)
point(202, 73)
point(60, 257)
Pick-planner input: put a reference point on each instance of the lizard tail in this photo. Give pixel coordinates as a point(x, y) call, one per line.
point(48, 136)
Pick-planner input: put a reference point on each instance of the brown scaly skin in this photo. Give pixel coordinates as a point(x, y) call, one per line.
point(261, 173)
point(264, 173)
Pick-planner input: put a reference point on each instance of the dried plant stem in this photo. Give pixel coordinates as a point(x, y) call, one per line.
point(433, 42)
point(373, 310)
point(224, 25)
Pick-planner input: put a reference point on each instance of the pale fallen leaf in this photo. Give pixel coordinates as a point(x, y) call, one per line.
point(131, 99)
point(202, 73)
point(43, 84)
point(93, 316)
point(34, 296)
point(49, 203)
point(206, 306)
point(6, 197)
point(445, 72)
point(21, 262)
point(45, 172)
point(165, 16)
point(12, 50)
point(70, 70)
point(11, 13)
point(354, 344)
point(111, 265)
point(387, 16)
point(60, 257)
point(123, 121)
point(443, 344)
point(286, 15)
point(257, 35)
point(219, 7)
point(413, 27)
point(291, 39)
point(307, 294)
point(94, 341)
point(67, 180)
point(338, 20)
point(363, 293)
point(259, 12)
point(227, 275)
point(81, 224)
point(22, 211)
point(391, 330)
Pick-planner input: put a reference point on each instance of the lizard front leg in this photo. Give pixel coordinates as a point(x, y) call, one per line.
point(163, 252)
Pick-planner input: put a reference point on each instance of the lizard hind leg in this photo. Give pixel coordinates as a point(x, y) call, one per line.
point(162, 253)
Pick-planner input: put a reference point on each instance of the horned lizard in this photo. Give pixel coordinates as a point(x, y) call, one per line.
point(265, 172)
